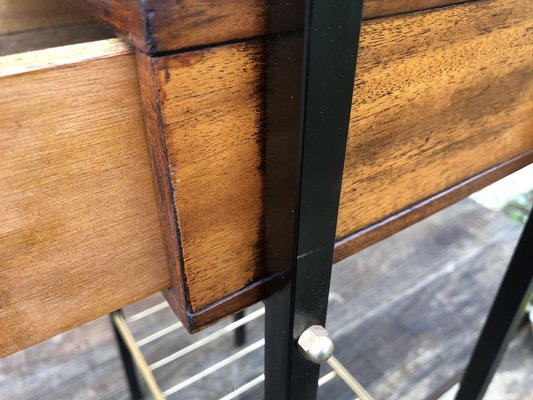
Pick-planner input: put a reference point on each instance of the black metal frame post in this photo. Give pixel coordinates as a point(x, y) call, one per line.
point(309, 87)
point(128, 364)
point(503, 319)
point(240, 332)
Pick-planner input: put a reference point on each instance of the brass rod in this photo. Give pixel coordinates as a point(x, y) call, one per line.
point(147, 312)
point(144, 370)
point(343, 373)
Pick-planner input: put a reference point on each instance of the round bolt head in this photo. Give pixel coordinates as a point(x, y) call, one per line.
point(315, 344)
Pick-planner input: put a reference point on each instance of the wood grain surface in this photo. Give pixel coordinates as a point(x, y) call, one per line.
point(31, 15)
point(156, 26)
point(45, 38)
point(79, 225)
point(440, 97)
point(126, 18)
point(27, 25)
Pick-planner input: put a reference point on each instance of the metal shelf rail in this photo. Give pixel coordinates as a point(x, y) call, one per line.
point(133, 359)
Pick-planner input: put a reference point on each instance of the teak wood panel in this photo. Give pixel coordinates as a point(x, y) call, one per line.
point(432, 108)
point(79, 224)
point(156, 26)
point(440, 96)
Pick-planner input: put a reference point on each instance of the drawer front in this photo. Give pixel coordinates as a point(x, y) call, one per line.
point(440, 97)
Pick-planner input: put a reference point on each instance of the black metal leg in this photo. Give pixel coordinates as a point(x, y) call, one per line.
point(503, 319)
point(309, 86)
point(129, 366)
point(240, 332)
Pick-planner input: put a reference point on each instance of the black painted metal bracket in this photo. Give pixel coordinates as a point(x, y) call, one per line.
point(127, 363)
point(503, 319)
point(310, 78)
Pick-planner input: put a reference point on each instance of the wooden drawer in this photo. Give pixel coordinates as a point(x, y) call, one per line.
point(442, 106)
point(441, 97)
point(79, 223)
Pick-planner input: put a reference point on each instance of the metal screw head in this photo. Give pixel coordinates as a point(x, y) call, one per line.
point(315, 344)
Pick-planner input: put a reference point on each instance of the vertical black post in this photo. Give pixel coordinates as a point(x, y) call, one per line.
point(309, 86)
point(240, 332)
point(129, 366)
point(503, 319)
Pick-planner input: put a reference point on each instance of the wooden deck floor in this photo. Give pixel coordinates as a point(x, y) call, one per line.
point(403, 315)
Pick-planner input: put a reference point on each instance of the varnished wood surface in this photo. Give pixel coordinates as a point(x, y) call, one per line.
point(214, 139)
point(31, 15)
point(440, 97)
point(27, 25)
point(45, 38)
point(79, 225)
point(412, 214)
point(126, 18)
point(156, 26)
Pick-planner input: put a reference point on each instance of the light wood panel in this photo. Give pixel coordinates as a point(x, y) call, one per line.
point(27, 25)
point(440, 97)
point(45, 38)
point(79, 225)
point(28, 15)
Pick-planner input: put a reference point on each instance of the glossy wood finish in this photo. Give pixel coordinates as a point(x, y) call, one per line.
point(156, 26)
point(414, 213)
point(439, 99)
point(440, 96)
point(79, 225)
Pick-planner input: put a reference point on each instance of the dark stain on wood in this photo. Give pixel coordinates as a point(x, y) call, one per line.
point(155, 128)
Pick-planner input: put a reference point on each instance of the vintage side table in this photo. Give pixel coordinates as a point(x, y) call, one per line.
point(223, 153)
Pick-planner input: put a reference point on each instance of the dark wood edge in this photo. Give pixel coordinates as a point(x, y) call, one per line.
point(157, 145)
point(408, 216)
point(126, 19)
point(237, 301)
point(175, 301)
point(141, 23)
point(348, 246)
